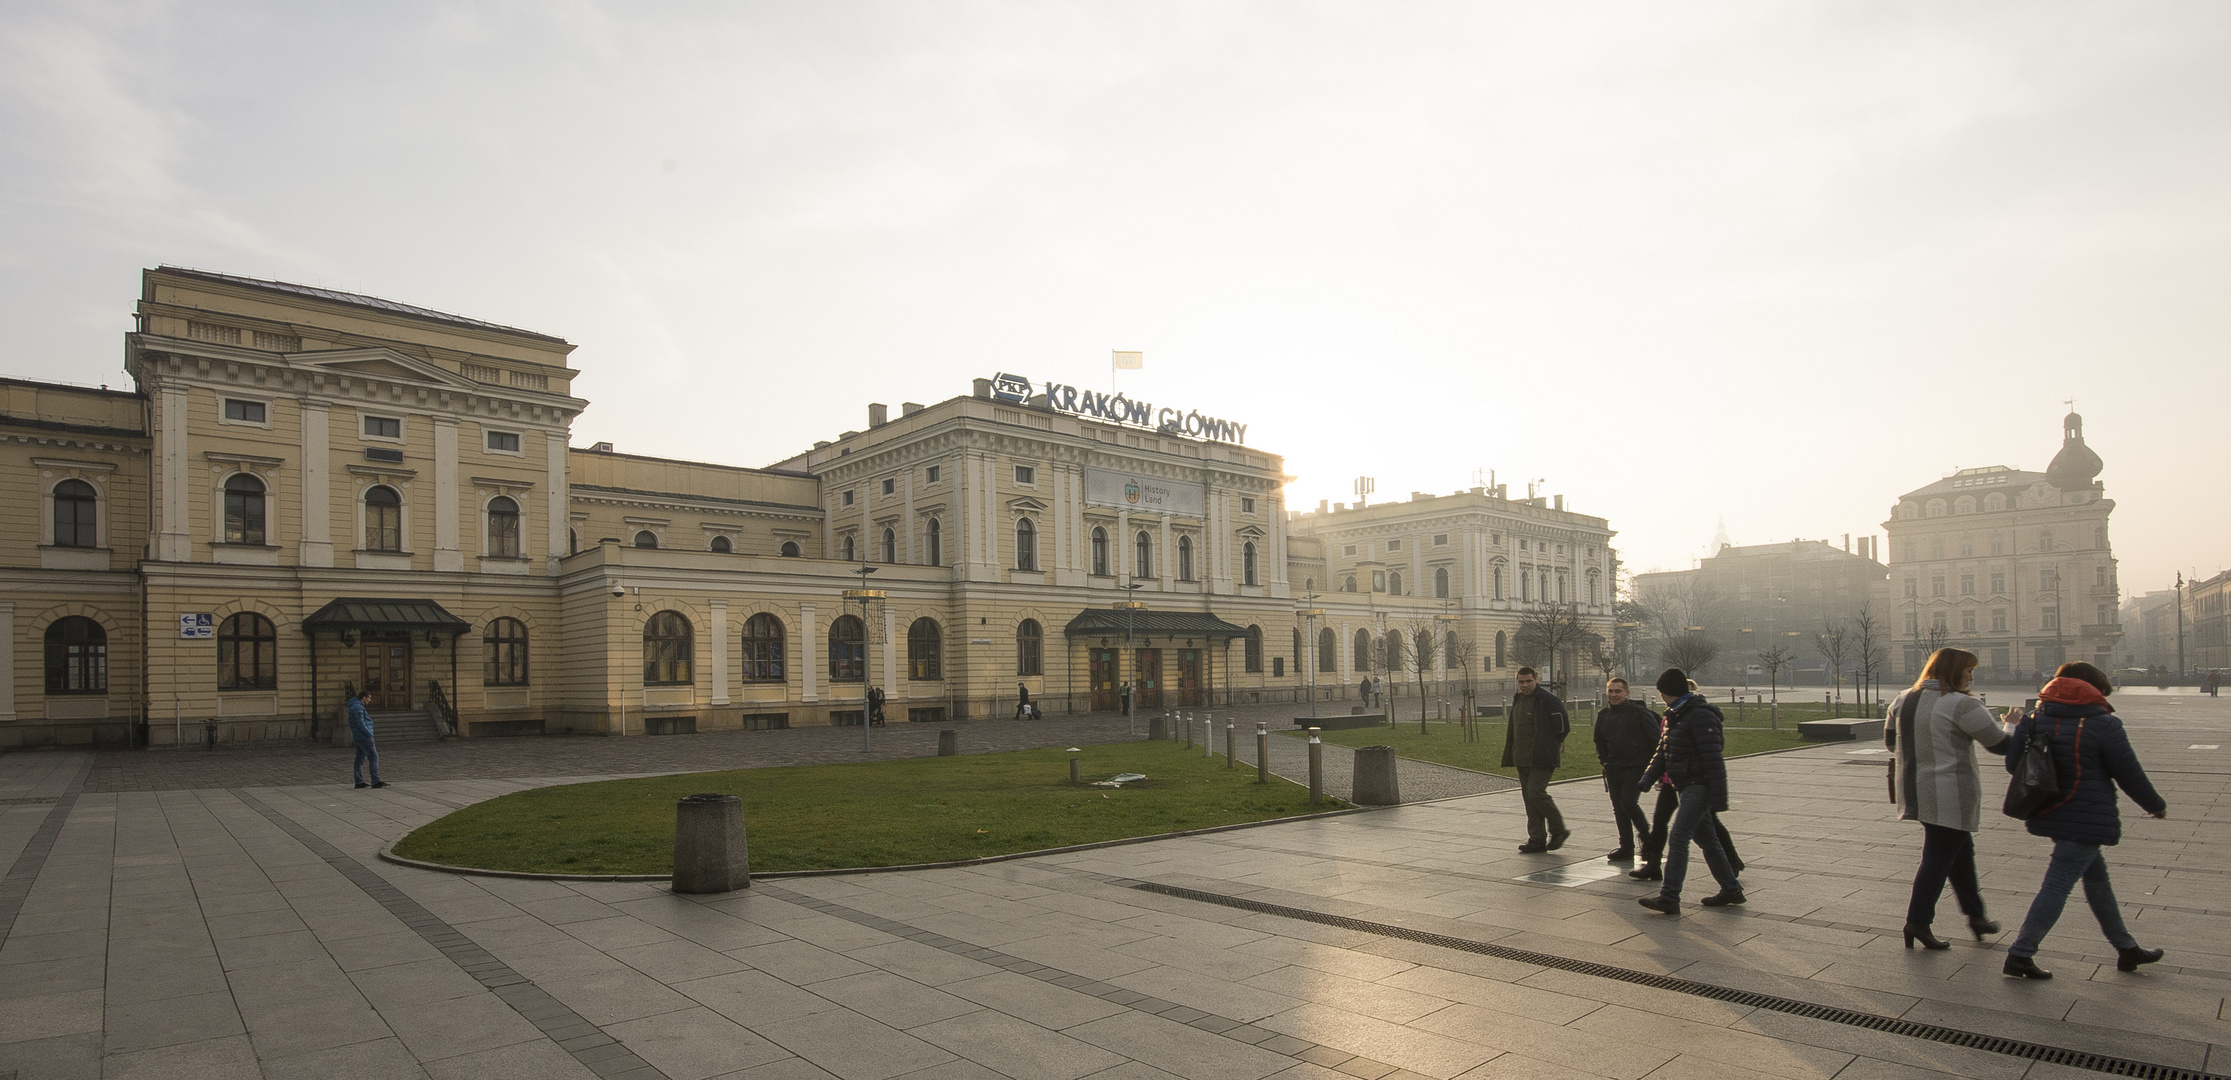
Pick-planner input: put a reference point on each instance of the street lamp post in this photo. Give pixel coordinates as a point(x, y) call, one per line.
point(867, 678)
point(1130, 605)
point(1309, 651)
point(1448, 620)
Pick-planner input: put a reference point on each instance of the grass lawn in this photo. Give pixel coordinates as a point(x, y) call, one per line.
point(887, 813)
point(1445, 744)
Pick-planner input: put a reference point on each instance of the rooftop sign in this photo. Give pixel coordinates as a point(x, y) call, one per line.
point(1119, 409)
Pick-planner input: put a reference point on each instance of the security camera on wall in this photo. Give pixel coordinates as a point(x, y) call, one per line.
point(618, 590)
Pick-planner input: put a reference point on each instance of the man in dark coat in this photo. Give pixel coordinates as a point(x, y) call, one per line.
point(1534, 743)
point(1626, 737)
point(1690, 755)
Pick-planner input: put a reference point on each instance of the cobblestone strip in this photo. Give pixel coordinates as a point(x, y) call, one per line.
point(1263, 1038)
point(588, 1043)
point(16, 887)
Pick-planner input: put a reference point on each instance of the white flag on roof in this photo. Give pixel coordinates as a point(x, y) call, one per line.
point(1129, 359)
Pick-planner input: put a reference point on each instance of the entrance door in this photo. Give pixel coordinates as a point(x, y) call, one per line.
point(387, 673)
point(1189, 677)
point(1148, 678)
point(1104, 696)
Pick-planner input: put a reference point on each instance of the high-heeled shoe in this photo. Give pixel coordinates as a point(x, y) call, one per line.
point(1921, 934)
point(2129, 959)
point(1981, 926)
point(2022, 967)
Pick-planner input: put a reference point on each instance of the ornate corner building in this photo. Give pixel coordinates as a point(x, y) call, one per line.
point(2013, 566)
point(314, 492)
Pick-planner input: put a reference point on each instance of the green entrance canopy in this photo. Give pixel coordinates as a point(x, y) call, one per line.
point(380, 615)
point(1105, 622)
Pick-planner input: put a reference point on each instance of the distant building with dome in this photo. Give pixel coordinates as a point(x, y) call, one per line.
point(2013, 566)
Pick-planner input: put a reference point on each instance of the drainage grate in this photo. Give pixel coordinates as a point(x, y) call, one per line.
point(2075, 1059)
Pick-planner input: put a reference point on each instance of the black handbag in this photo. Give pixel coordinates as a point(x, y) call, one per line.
point(1901, 743)
point(2036, 786)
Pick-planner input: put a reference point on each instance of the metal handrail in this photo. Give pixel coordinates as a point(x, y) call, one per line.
point(444, 712)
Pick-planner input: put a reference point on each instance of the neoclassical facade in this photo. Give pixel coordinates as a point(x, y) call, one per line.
point(2013, 566)
point(311, 492)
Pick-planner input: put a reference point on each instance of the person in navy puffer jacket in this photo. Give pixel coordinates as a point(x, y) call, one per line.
point(2091, 757)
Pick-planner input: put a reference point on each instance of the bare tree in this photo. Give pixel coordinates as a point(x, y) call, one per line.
point(1934, 638)
point(1417, 660)
point(1774, 658)
point(1871, 640)
point(1690, 652)
point(1834, 647)
point(1548, 632)
point(1606, 658)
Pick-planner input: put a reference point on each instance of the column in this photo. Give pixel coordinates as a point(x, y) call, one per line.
point(558, 498)
point(7, 659)
point(1054, 537)
point(1123, 555)
point(317, 486)
point(906, 520)
point(1169, 554)
point(717, 622)
point(809, 652)
point(447, 556)
point(963, 532)
point(1343, 653)
point(175, 543)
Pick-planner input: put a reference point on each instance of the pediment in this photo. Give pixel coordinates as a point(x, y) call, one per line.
point(1252, 532)
point(379, 362)
point(1025, 502)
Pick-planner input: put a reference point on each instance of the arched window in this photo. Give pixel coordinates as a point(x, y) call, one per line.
point(247, 653)
point(1360, 659)
point(1185, 558)
point(505, 648)
point(925, 650)
point(1965, 504)
point(503, 527)
point(1495, 571)
point(2099, 537)
point(890, 546)
point(763, 649)
point(646, 539)
point(666, 650)
point(572, 542)
point(1595, 587)
point(1030, 648)
point(1501, 640)
point(383, 519)
point(1100, 551)
point(243, 509)
point(722, 545)
point(2044, 539)
point(1425, 648)
point(1394, 582)
point(1143, 563)
point(1449, 652)
point(1026, 545)
point(1327, 647)
point(936, 542)
point(850, 551)
point(1348, 584)
point(1254, 649)
point(76, 515)
point(1936, 508)
point(848, 649)
point(76, 656)
point(1247, 563)
point(1994, 502)
point(1440, 583)
point(791, 550)
point(1393, 645)
point(1301, 653)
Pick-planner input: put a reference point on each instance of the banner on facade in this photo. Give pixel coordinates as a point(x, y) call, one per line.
point(1152, 495)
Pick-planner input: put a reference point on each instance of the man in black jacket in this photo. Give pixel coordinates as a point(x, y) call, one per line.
point(1626, 738)
point(1690, 754)
point(1534, 743)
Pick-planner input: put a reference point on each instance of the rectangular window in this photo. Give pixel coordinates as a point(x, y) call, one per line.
point(1025, 474)
point(2049, 580)
point(1967, 620)
point(1495, 539)
point(1394, 545)
point(2106, 616)
point(1348, 549)
point(931, 474)
point(1440, 539)
point(504, 441)
point(223, 335)
point(1967, 584)
point(2052, 618)
point(2099, 576)
point(1913, 622)
point(847, 498)
point(1936, 586)
point(383, 427)
point(251, 412)
point(1913, 588)
point(1998, 620)
point(890, 487)
point(278, 342)
point(1247, 506)
point(1998, 582)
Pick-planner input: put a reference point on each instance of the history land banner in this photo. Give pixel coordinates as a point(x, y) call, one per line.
point(1152, 495)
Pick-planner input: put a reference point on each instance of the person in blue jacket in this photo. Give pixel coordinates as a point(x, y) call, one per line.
point(2091, 758)
point(1690, 754)
point(360, 732)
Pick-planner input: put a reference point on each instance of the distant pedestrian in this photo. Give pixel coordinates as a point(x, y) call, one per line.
point(1364, 688)
point(1626, 737)
point(1023, 709)
point(2092, 756)
point(1534, 743)
point(1691, 755)
point(2215, 680)
point(1933, 781)
point(360, 733)
point(875, 706)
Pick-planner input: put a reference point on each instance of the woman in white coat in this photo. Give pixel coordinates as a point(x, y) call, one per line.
point(1933, 780)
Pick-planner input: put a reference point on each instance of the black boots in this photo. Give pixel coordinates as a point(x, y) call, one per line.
point(1648, 871)
point(1724, 898)
point(2022, 967)
point(2129, 959)
point(1981, 927)
point(1916, 932)
point(1664, 905)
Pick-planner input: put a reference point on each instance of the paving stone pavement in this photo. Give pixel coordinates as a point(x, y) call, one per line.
point(246, 930)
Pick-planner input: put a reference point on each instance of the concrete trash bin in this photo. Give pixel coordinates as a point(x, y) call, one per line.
point(948, 743)
point(1375, 783)
point(710, 855)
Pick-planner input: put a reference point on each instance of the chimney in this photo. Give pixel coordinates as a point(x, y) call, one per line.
point(601, 448)
point(879, 414)
point(983, 388)
point(821, 444)
point(909, 408)
point(1847, 543)
point(1560, 503)
point(1323, 505)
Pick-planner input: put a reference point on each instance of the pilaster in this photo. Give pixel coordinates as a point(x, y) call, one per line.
point(174, 541)
point(717, 622)
point(317, 485)
point(448, 557)
point(809, 653)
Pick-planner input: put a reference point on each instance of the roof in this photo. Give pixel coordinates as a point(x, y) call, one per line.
point(1989, 478)
point(356, 300)
point(383, 614)
point(1097, 622)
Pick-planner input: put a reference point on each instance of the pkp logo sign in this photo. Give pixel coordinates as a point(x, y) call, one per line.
point(1007, 387)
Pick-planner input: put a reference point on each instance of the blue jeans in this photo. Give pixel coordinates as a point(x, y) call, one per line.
point(361, 734)
point(1691, 822)
point(2072, 862)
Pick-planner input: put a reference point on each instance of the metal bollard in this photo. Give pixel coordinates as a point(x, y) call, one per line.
point(1316, 767)
point(1076, 775)
point(948, 742)
point(1231, 744)
point(1262, 753)
point(710, 854)
point(1187, 723)
point(1208, 736)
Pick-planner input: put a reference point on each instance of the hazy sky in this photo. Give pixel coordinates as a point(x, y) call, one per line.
point(1773, 262)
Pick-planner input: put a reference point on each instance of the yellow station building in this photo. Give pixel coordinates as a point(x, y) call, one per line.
point(313, 491)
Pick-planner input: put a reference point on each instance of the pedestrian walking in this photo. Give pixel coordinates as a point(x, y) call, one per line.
point(1534, 743)
point(875, 707)
point(1365, 689)
point(1661, 818)
point(2092, 757)
point(1690, 754)
point(1022, 701)
point(1932, 730)
point(2215, 681)
point(1626, 739)
point(360, 733)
